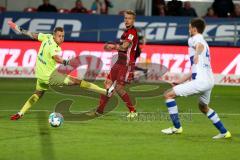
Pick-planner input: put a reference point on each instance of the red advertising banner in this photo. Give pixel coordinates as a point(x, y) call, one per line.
point(18, 58)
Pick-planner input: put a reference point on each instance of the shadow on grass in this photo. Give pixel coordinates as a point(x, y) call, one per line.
point(47, 147)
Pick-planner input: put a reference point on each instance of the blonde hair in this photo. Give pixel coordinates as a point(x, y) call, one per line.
point(130, 12)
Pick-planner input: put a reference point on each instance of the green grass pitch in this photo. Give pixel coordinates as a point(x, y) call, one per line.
point(113, 136)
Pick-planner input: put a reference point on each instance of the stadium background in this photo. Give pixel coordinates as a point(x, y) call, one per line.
point(166, 43)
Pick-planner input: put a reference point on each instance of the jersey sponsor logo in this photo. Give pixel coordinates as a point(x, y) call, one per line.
point(130, 37)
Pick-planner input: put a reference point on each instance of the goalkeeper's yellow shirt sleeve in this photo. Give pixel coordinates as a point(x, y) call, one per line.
point(43, 37)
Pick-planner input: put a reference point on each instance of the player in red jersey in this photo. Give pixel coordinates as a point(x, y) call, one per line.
point(122, 70)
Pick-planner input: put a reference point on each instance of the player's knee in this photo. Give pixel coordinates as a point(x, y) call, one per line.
point(167, 95)
point(203, 107)
point(120, 90)
point(39, 93)
point(75, 81)
point(107, 83)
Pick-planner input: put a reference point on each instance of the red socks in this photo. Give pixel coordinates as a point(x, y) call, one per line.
point(128, 102)
point(103, 101)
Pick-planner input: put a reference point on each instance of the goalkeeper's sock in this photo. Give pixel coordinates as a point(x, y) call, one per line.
point(173, 111)
point(213, 116)
point(92, 87)
point(28, 104)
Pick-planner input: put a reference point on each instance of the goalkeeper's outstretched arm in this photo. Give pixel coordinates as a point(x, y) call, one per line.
point(29, 34)
point(18, 29)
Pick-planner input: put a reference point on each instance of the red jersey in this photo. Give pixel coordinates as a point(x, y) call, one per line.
point(128, 57)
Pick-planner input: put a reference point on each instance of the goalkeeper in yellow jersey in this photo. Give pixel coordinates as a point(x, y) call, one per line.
point(46, 65)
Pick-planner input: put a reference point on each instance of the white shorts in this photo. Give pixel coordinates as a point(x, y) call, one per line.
point(195, 87)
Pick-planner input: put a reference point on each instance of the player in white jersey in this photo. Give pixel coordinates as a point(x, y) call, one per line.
point(201, 82)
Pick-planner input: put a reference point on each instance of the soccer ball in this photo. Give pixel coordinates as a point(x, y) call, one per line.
point(55, 119)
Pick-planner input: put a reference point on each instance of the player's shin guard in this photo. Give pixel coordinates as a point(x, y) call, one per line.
point(213, 116)
point(92, 87)
point(173, 111)
point(128, 102)
point(102, 103)
point(28, 104)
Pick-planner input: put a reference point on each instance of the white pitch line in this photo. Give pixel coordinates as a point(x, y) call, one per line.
point(119, 112)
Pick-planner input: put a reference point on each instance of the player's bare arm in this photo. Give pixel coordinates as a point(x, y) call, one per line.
point(22, 31)
point(29, 34)
point(119, 47)
point(123, 47)
point(199, 49)
point(60, 60)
